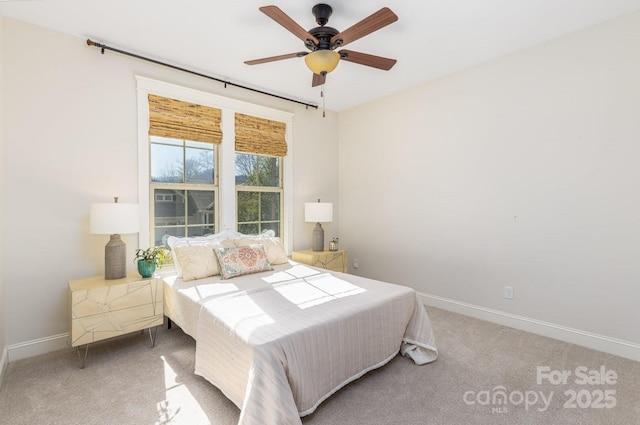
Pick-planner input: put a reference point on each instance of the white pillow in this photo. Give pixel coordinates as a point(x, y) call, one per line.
point(272, 246)
point(196, 260)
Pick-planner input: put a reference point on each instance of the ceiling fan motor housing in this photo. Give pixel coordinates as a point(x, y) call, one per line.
point(322, 12)
point(324, 35)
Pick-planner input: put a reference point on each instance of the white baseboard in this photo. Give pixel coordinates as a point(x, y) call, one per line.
point(36, 347)
point(4, 361)
point(617, 347)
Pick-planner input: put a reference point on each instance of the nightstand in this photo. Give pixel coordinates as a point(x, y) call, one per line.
point(330, 260)
point(101, 309)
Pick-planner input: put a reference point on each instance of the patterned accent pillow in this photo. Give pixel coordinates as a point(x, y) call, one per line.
point(241, 260)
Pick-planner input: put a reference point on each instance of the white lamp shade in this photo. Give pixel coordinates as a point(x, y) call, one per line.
point(114, 218)
point(318, 212)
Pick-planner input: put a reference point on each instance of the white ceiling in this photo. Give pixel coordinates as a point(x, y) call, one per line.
point(431, 38)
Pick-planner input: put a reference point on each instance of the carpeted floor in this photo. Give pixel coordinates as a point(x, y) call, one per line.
point(127, 382)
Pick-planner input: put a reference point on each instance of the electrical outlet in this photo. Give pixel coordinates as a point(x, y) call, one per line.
point(508, 292)
point(355, 263)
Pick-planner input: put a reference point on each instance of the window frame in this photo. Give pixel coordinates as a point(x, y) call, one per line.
point(226, 217)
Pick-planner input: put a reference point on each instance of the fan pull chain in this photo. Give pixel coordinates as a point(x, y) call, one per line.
point(322, 96)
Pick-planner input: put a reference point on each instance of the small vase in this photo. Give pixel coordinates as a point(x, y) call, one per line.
point(146, 267)
point(333, 246)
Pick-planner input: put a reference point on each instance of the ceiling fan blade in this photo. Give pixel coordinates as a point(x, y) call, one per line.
point(276, 58)
point(318, 80)
point(368, 60)
point(380, 19)
point(275, 13)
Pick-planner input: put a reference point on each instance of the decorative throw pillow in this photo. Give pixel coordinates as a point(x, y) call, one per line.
point(174, 241)
point(241, 260)
point(272, 246)
point(196, 261)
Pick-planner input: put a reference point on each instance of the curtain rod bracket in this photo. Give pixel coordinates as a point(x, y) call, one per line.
point(133, 55)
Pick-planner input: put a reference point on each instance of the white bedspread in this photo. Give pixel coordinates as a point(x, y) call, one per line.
point(279, 346)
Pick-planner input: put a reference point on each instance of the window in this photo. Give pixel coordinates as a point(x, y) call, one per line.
point(258, 193)
point(182, 148)
point(260, 145)
point(195, 179)
point(183, 186)
point(164, 198)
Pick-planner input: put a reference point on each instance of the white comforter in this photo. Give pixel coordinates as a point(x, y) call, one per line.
point(280, 345)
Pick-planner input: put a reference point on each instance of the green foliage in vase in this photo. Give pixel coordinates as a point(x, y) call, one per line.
point(157, 254)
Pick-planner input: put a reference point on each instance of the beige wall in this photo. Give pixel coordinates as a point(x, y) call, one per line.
point(520, 172)
point(71, 139)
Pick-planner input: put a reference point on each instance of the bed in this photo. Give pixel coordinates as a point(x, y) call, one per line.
point(280, 340)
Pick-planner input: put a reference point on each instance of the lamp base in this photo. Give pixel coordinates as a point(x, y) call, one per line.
point(318, 238)
point(115, 258)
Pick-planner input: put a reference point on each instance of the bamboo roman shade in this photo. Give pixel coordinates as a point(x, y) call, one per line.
point(260, 136)
point(182, 120)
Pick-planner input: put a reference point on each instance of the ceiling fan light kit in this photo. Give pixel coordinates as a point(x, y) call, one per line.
point(322, 62)
point(322, 41)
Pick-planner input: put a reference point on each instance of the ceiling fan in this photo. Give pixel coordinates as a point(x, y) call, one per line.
point(322, 41)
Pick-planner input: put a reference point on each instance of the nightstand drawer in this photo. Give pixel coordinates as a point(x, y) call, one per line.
point(88, 302)
point(97, 327)
point(331, 260)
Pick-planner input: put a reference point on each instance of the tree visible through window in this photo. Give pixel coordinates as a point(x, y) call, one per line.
point(258, 193)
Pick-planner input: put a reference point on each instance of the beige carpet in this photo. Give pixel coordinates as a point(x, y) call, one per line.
point(127, 382)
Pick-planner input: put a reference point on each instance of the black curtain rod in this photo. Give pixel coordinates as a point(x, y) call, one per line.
point(104, 47)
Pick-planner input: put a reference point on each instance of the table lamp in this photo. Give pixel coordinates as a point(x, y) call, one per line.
point(318, 212)
point(114, 219)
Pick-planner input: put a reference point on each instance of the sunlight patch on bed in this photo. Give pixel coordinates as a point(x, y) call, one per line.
point(302, 294)
point(316, 290)
point(179, 406)
point(334, 286)
point(296, 272)
point(252, 316)
point(277, 277)
point(301, 270)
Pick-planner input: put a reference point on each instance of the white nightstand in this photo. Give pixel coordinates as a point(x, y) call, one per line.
point(101, 309)
point(330, 260)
